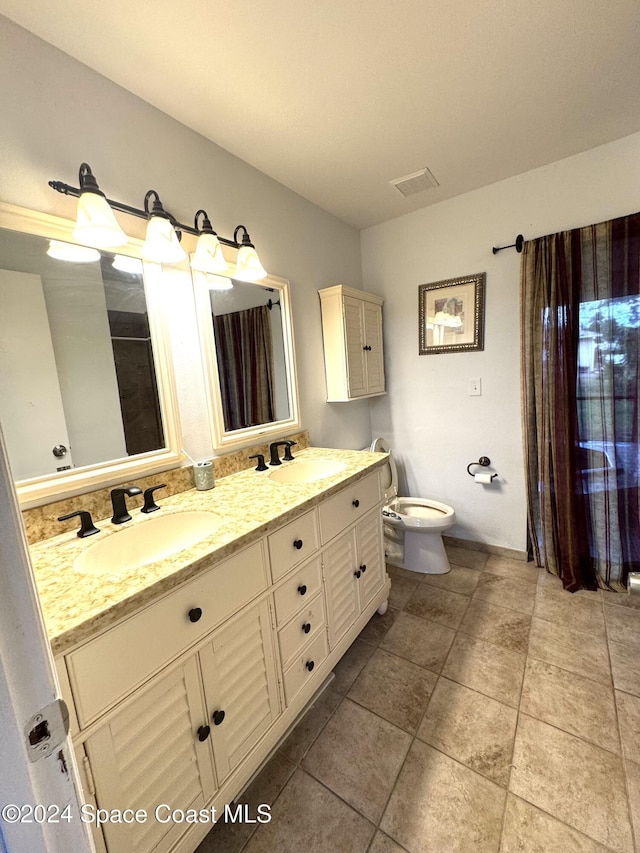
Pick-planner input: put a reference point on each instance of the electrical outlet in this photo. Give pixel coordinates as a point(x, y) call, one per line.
point(475, 387)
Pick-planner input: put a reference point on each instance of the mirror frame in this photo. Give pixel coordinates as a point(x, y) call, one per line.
point(48, 488)
point(224, 439)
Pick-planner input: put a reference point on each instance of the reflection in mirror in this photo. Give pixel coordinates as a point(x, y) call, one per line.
point(247, 345)
point(77, 375)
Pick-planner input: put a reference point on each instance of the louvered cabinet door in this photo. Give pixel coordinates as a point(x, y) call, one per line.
point(354, 343)
point(150, 754)
point(373, 342)
point(339, 565)
point(241, 687)
point(370, 556)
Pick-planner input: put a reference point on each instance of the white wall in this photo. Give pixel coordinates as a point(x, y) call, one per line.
point(433, 425)
point(57, 113)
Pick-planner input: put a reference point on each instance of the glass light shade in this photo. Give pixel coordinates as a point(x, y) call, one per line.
point(248, 266)
point(72, 253)
point(161, 244)
point(125, 263)
point(96, 224)
point(208, 256)
point(219, 282)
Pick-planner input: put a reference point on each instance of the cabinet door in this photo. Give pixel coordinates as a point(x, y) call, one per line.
point(373, 340)
point(354, 346)
point(339, 565)
point(370, 555)
point(148, 754)
point(241, 688)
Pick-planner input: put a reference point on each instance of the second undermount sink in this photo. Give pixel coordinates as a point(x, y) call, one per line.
point(150, 540)
point(307, 470)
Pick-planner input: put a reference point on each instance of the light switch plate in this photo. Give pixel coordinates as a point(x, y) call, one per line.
point(475, 387)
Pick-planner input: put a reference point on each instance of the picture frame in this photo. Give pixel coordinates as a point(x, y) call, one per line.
point(451, 315)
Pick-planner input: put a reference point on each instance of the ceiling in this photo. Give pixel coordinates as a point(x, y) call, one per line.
point(336, 98)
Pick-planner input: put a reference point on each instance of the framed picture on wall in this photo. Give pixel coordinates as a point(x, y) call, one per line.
point(451, 315)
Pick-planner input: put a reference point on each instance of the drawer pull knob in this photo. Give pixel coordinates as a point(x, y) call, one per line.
point(310, 665)
point(195, 614)
point(297, 543)
point(306, 627)
point(357, 573)
point(217, 717)
point(363, 568)
point(356, 503)
point(203, 733)
point(302, 589)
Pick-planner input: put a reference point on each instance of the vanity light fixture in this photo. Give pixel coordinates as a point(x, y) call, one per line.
point(72, 252)
point(97, 226)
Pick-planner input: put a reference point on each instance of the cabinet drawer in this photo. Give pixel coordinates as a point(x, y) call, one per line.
point(304, 665)
point(107, 668)
point(303, 628)
point(349, 505)
point(301, 587)
point(293, 543)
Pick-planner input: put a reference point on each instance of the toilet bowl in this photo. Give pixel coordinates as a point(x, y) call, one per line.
point(413, 527)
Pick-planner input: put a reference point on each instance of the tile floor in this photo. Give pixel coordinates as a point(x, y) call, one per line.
point(488, 710)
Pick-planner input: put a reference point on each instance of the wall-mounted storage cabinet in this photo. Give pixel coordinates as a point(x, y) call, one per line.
point(352, 333)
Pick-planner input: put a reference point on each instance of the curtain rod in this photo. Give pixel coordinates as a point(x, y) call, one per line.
point(518, 244)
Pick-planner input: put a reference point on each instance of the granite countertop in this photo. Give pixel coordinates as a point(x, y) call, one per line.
point(77, 605)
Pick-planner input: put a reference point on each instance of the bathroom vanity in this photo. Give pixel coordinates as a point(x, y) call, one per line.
point(183, 675)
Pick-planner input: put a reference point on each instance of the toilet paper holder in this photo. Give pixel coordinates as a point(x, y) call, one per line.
point(484, 462)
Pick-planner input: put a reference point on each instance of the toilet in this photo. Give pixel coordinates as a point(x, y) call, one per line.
point(413, 527)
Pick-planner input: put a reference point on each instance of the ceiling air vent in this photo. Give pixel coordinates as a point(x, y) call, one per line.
point(415, 183)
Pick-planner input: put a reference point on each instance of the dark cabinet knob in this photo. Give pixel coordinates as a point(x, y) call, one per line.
point(306, 627)
point(363, 568)
point(357, 573)
point(310, 665)
point(297, 543)
point(217, 717)
point(195, 614)
point(203, 733)
point(355, 503)
point(302, 589)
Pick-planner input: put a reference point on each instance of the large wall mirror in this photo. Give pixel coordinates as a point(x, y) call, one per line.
point(246, 338)
point(86, 380)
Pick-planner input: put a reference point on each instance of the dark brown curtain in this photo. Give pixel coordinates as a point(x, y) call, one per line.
point(245, 367)
point(580, 378)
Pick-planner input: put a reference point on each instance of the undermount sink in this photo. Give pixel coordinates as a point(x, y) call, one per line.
point(148, 541)
point(307, 471)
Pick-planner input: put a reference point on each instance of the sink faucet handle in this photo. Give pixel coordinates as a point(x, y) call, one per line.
point(87, 527)
point(149, 503)
point(287, 451)
point(261, 463)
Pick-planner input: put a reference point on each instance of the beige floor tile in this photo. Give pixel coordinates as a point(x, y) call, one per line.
point(306, 816)
point(394, 688)
point(529, 830)
point(581, 614)
point(508, 567)
point(460, 579)
point(383, 844)
point(351, 665)
point(499, 625)
point(489, 669)
point(466, 557)
point(472, 728)
point(633, 784)
point(549, 580)
point(620, 599)
point(419, 640)
point(625, 666)
point(629, 717)
point(571, 702)
point(376, 628)
point(407, 574)
point(569, 649)
point(506, 592)
point(438, 605)
point(358, 756)
point(623, 626)
point(574, 781)
point(401, 591)
point(438, 805)
point(310, 726)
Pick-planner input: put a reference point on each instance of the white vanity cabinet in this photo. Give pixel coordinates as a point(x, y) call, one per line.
point(352, 335)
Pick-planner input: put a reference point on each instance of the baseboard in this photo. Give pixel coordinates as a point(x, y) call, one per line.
point(497, 550)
